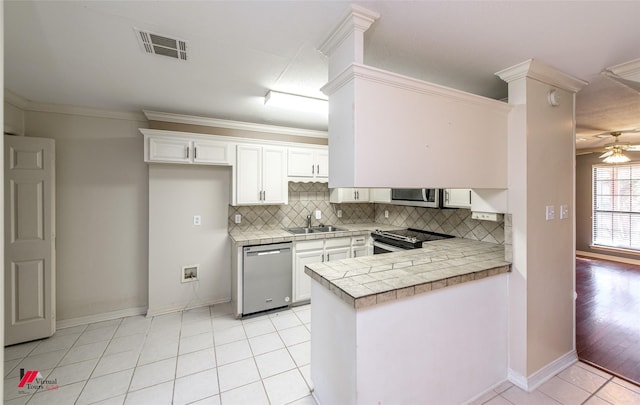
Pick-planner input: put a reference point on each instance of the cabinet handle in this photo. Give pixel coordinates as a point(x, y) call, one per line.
point(446, 196)
point(195, 152)
point(328, 257)
point(187, 152)
point(322, 258)
point(318, 171)
point(469, 196)
point(313, 169)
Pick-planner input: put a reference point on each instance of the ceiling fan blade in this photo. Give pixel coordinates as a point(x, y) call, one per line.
point(606, 154)
point(633, 148)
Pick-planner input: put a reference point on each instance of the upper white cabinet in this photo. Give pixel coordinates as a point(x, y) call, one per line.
point(309, 163)
point(186, 149)
point(261, 175)
point(380, 195)
point(349, 195)
point(457, 198)
point(489, 200)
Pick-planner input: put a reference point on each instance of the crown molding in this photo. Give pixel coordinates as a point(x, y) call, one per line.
point(628, 70)
point(535, 69)
point(386, 78)
point(357, 18)
point(238, 125)
point(15, 100)
point(28, 105)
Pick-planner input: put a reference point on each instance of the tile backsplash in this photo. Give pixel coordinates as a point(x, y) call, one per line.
point(305, 198)
point(457, 222)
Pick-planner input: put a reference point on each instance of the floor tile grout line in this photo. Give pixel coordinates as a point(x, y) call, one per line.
point(595, 393)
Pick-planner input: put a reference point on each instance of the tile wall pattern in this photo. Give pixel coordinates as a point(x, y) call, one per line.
point(457, 222)
point(305, 198)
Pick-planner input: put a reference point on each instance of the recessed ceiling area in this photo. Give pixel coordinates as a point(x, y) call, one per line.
point(87, 54)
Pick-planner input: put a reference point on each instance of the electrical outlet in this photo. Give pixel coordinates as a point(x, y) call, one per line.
point(564, 211)
point(339, 213)
point(237, 219)
point(197, 220)
point(318, 214)
point(386, 213)
point(550, 212)
point(189, 273)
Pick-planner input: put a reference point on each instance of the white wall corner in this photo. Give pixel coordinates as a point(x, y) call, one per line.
point(356, 19)
point(541, 376)
point(535, 69)
point(345, 44)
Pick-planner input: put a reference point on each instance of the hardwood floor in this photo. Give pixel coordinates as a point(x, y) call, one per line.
point(608, 316)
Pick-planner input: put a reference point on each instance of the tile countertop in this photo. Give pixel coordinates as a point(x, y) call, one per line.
point(264, 236)
point(365, 281)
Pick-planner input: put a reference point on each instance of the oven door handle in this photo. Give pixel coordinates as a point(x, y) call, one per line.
point(390, 248)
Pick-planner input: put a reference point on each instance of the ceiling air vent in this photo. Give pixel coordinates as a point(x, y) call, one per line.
point(162, 45)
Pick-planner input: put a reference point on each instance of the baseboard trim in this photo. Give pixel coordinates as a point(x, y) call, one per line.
point(106, 316)
point(544, 374)
point(608, 257)
point(178, 308)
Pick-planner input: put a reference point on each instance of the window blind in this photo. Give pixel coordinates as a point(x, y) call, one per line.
point(616, 206)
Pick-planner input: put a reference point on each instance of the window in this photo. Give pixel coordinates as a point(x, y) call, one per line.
point(616, 206)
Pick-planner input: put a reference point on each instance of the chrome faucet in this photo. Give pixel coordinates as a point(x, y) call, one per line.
point(309, 221)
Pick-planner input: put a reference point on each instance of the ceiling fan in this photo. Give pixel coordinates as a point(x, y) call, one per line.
point(614, 152)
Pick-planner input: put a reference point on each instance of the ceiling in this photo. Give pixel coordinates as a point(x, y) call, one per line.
point(87, 54)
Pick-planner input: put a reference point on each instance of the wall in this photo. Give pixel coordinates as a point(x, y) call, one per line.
point(176, 194)
point(584, 198)
point(101, 210)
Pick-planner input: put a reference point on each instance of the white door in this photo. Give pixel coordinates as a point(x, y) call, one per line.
point(29, 234)
point(169, 150)
point(300, 162)
point(322, 164)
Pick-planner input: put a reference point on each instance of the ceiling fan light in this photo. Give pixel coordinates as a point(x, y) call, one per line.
point(616, 157)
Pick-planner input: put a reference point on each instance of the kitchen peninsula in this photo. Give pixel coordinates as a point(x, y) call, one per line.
point(421, 326)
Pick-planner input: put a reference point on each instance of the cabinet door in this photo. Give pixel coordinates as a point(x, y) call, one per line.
point(249, 174)
point(457, 197)
point(301, 163)
point(360, 251)
point(362, 195)
point(337, 254)
point(302, 282)
point(169, 150)
point(322, 163)
point(274, 176)
point(211, 152)
point(380, 195)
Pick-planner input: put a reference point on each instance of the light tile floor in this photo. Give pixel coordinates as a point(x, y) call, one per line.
point(205, 356)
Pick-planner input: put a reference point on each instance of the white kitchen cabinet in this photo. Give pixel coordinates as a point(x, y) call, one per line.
point(360, 246)
point(308, 163)
point(315, 251)
point(186, 150)
point(380, 195)
point(457, 198)
point(261, 175)
point(301, 281)
point(349, 195)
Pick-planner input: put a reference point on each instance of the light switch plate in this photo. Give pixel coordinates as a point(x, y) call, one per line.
point(550, 212)
point(318, 214)
point(564, 211)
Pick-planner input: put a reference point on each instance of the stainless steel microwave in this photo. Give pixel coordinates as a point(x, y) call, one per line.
point(418, 197)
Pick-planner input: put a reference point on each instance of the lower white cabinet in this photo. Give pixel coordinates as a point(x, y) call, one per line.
point(322, 250)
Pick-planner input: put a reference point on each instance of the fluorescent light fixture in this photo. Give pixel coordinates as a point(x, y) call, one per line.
point(296, 102)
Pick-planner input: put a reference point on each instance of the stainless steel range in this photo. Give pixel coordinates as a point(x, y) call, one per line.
point(402, 239)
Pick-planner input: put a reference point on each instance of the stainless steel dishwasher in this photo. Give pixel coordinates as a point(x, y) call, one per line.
point(266, 277)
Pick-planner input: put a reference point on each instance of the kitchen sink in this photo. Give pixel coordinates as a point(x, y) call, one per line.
point(314, 229)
